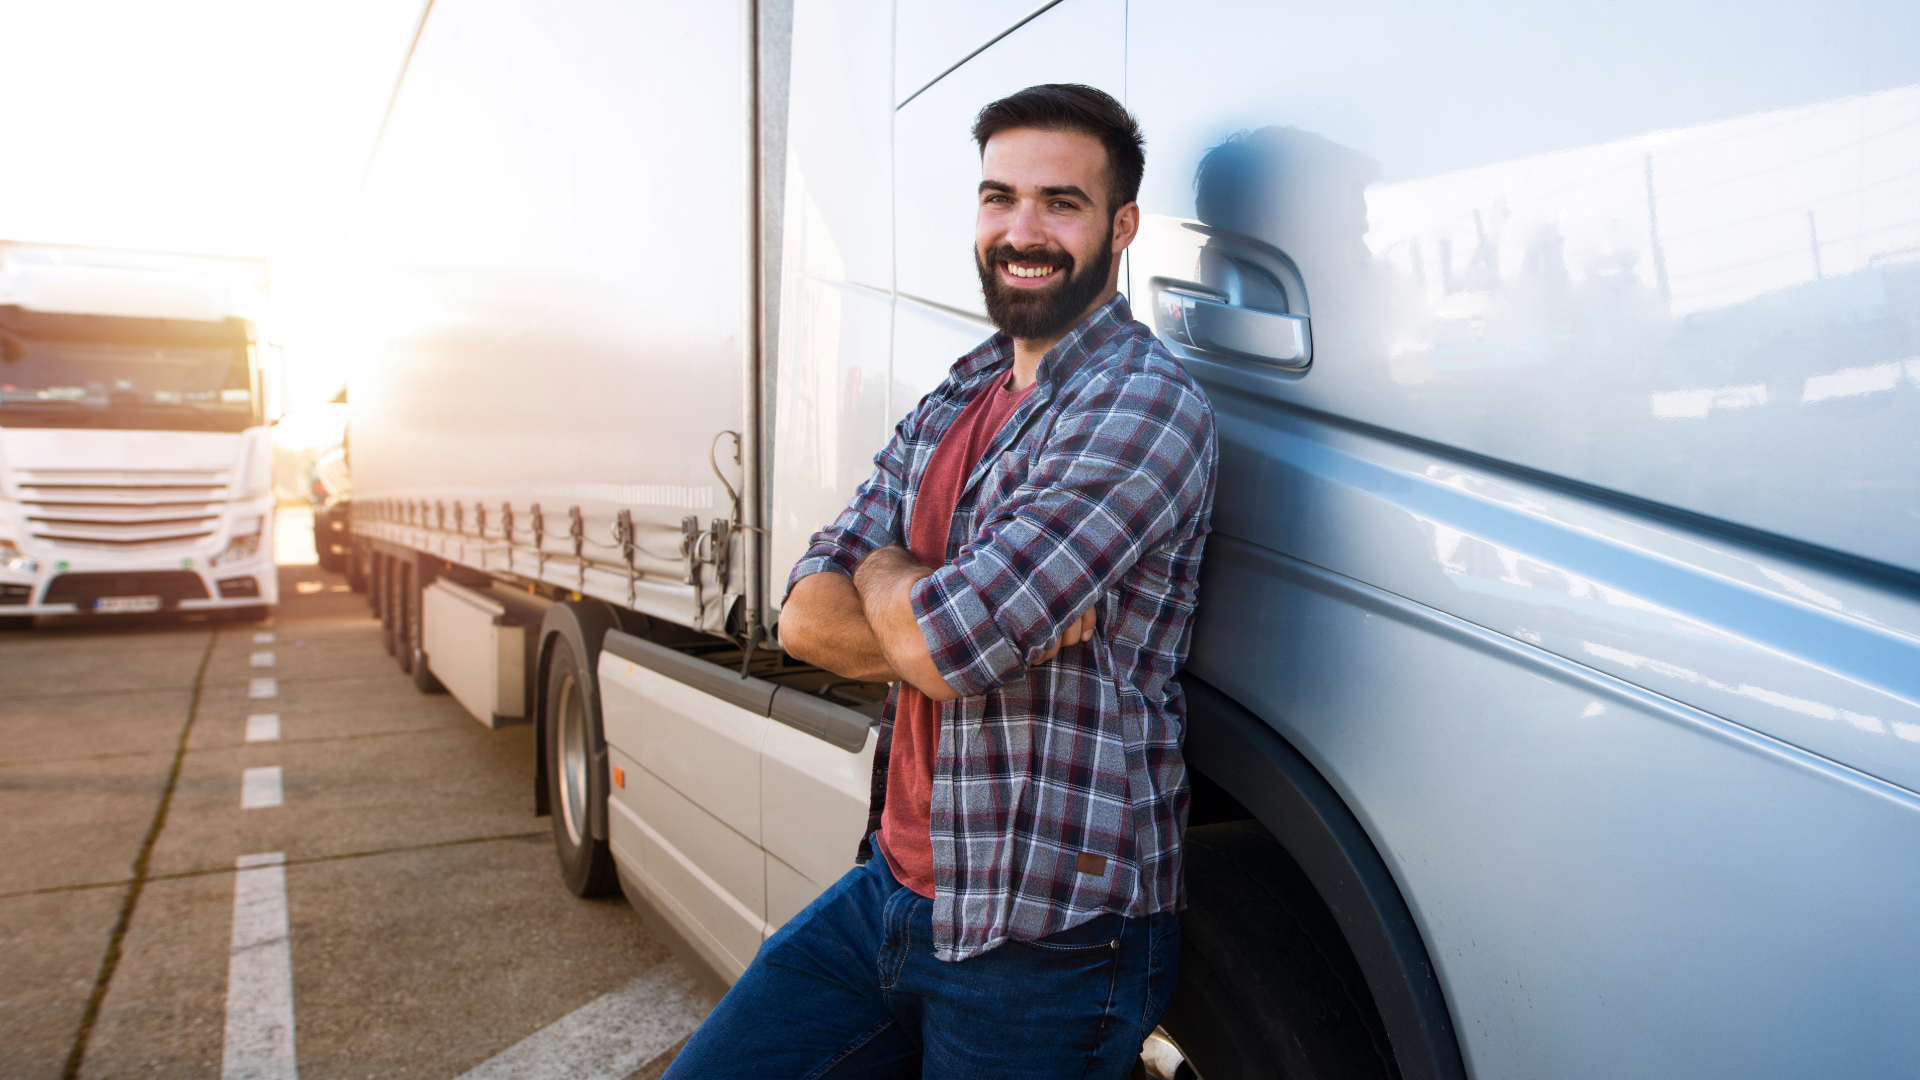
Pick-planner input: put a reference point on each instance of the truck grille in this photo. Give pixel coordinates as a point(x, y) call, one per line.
point(122, 509)
point(171, 586)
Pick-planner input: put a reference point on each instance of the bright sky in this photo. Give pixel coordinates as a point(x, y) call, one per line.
point(237, 127)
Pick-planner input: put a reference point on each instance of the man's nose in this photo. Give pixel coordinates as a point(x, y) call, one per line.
point(1026, 230)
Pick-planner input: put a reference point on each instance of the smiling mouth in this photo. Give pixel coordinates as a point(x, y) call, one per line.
point(1028, 273)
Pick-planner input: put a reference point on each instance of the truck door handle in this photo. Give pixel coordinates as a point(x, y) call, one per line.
point(1201, 321)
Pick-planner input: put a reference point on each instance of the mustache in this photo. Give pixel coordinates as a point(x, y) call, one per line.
point(1055, 257)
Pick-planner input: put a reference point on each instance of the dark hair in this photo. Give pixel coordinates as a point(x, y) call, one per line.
point(1072, 107)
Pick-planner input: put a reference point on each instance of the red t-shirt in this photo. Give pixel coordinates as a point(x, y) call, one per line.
point(906, 823)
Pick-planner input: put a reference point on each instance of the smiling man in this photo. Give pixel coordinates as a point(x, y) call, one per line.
point(1023, 565)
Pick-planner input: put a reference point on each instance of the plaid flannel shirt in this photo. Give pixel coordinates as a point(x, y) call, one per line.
point(1096, 492)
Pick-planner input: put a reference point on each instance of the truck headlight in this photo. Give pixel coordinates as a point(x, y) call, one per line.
point(244, 545)
point(15, 560)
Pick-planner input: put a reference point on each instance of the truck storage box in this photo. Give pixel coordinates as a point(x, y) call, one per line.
point(477, 650)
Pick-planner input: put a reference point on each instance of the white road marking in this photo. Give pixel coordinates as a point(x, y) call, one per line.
point(609, 1037)
point(263, 658)
point(263, 727)
point(264, 637)
point(260, 788)
point(259, 1044)
point(260, 688)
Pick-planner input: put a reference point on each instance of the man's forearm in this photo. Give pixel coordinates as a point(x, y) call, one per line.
point(885, 582)
point(824, 623)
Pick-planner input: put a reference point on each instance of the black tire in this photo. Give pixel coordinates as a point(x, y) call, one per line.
point(416, 639)
point(375, 582)
point(16, 622)
point(574, 775)
point(389, 567)
point(403, 613)
point(356, 560)
point(1268, 987)
point(324, 535)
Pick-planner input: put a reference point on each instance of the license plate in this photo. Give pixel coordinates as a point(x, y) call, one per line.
point(114, 605)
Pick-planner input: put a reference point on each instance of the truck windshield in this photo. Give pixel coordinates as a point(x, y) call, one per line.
point(67, 380)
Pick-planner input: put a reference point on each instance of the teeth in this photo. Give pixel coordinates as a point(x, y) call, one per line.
point(1029, 271)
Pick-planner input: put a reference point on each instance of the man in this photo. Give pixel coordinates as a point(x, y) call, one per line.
point(1023, 564)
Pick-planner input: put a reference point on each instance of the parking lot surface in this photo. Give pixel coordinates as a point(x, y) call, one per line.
point(254, 849)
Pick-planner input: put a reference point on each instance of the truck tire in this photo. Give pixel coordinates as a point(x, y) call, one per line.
point(387, 637)
point(415, 640)
point(323, 536)
point(356, 567)
point(400, 595)
point(374, 581)
point(572, 732)
point(1268, 987)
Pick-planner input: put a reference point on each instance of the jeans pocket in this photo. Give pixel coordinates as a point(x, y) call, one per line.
point(1099, 932)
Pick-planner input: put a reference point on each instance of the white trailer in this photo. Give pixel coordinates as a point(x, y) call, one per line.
point(135, 458)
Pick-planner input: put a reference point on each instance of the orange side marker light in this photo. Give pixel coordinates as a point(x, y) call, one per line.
point(619, 777)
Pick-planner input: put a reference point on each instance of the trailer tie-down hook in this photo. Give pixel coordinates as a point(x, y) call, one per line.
point(577, 529)
point(623, 535)
point(539, 526)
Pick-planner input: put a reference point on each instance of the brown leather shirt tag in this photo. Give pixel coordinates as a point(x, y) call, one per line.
point(1091, 864)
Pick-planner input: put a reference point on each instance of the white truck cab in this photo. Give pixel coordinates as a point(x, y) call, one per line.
point(135, 458)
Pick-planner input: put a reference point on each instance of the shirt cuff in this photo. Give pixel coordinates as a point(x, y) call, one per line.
point(820, 562)
point(968, 646)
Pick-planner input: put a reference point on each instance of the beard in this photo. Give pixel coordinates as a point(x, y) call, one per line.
point(1048, 312)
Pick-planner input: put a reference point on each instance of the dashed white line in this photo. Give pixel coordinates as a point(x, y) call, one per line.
point(609, 1037)
point(263, 727)
point(263, 688)
point(261, 788)
point(264, 637)
point(263, 658)
point(259, 1041)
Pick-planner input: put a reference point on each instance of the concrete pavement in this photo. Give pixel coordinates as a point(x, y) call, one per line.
point(426, 924)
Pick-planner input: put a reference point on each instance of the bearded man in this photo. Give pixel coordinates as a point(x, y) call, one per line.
point(1023, 565)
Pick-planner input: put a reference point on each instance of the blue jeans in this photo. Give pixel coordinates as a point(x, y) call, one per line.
point(850, 988)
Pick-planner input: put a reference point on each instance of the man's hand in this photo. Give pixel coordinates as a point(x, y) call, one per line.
point(1077, 631)
point(885, 582)
point(824, 624)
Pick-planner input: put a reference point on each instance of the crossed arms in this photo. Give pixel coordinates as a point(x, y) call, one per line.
point(1128, 465)
point(864, 627)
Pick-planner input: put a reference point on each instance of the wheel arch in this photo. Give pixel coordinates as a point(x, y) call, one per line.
point(1231, 746)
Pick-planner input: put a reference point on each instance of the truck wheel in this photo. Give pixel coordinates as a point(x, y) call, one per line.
point(356, 561)
point(416, 640)
point(323, 542)
point(1268, 986)
point(572, 730)
point(401, 595)
point(374, 581)
point(389, 567)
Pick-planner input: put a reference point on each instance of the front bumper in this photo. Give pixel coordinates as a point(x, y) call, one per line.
point(80, 587)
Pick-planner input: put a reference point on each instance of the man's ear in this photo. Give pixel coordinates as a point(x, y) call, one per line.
point(1126, 226)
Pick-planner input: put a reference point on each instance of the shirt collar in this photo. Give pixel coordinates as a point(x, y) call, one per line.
point(1082, 342)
